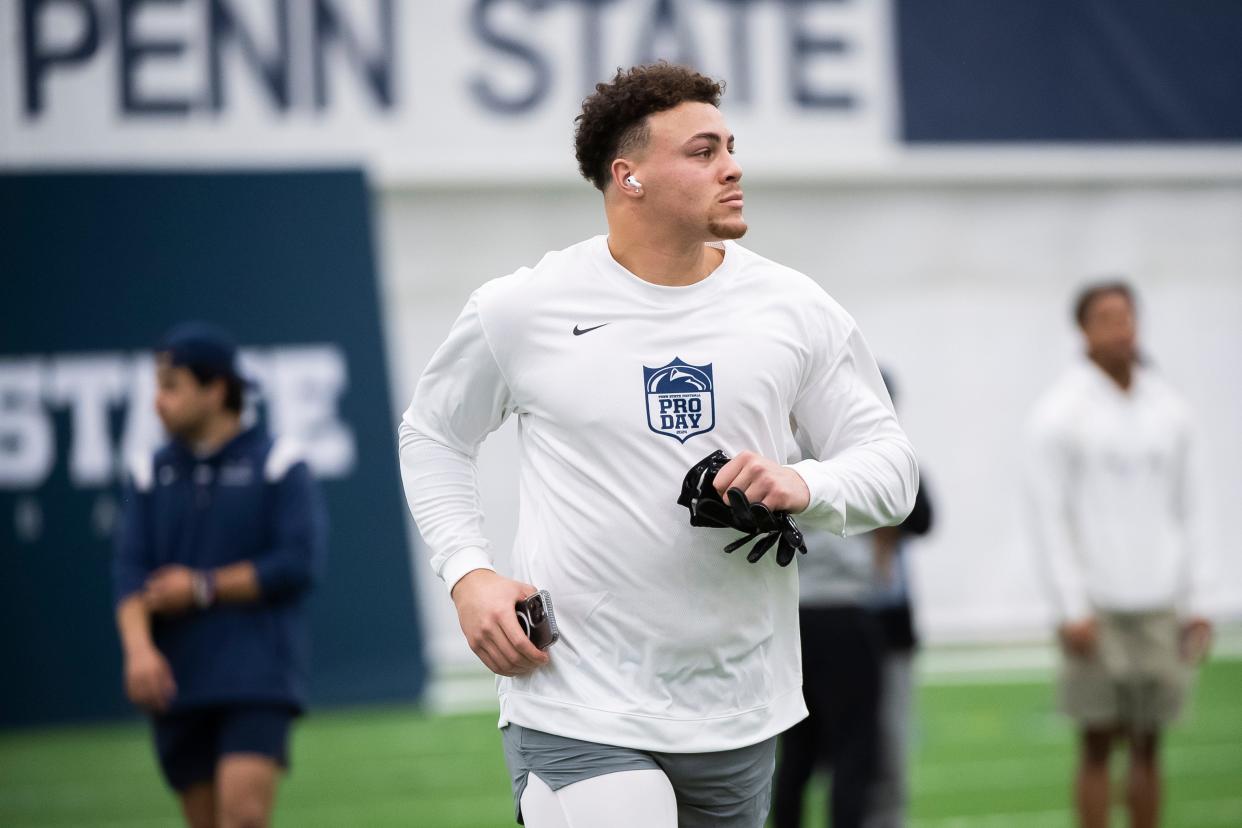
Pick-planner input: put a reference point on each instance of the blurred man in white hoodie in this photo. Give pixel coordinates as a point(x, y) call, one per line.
point(1116, 527)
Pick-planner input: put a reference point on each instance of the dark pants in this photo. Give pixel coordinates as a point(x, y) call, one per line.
point(842, 657)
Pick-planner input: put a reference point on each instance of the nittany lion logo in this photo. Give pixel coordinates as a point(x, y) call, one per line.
point(680, 399)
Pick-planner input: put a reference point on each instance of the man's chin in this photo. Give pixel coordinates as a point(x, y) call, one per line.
point(734, 228)
point(175, 433)
point(179, 431)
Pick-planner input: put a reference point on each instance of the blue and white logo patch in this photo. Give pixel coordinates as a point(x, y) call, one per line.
point(680, 399)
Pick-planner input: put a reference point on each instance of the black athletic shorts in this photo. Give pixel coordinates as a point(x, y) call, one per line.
point(190, 743)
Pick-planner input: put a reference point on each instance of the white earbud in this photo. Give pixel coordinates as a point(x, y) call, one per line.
point(633, 182)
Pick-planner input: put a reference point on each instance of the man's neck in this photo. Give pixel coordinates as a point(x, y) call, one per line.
point(662, 263)
point(215, 433)
point(1121, 373)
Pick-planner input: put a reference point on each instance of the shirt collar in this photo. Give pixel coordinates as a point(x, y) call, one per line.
point(237, 444)
point(1100, 377)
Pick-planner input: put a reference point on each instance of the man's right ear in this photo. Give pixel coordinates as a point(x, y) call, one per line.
point(625, 179)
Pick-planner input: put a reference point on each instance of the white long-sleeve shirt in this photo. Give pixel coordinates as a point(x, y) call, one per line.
point(619, 387)
point(1112, 507)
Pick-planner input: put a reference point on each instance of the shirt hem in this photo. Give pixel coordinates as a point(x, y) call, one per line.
point(639, 731)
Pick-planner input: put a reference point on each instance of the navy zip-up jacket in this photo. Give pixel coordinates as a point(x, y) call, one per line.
point(254, 499)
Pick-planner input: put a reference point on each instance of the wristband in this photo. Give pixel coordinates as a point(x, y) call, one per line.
point(203, 589)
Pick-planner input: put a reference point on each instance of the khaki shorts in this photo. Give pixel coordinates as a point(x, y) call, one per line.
point(1135, 678)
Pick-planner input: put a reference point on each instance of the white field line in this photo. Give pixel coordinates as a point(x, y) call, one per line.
point(473, 690)
point(473, 693)
point(1023, 663)
point(1048, 726)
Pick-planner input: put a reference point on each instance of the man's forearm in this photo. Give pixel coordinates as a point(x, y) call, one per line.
point(441, 487)
point(237, 583)
point(133, 623)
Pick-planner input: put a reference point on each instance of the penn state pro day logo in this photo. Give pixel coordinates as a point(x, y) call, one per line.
point(680, 399)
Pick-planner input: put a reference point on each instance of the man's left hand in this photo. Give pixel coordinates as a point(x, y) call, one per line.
point(170, 590)
point(764, 481)
point(1196, 639)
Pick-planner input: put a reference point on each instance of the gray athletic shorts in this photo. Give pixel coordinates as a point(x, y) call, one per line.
point(724, 789)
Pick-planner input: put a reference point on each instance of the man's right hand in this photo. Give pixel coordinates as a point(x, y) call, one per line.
point(485, 609)
point(149, 680)
point(1078, 637)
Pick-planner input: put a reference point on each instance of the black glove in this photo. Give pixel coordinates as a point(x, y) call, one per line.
point(698, 494)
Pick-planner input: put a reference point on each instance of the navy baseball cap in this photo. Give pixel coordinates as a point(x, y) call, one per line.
point(204, 346)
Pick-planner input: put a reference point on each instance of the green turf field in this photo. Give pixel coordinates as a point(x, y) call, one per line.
point(988, 755)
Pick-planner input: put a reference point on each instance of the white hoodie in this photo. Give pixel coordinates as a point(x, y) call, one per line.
point(1113, 508)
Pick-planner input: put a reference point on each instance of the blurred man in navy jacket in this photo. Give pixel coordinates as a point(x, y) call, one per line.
point(221, 538)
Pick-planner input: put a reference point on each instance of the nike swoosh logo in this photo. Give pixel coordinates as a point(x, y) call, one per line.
point(580, 331)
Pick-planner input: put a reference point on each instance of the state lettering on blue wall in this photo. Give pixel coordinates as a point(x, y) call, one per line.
point(285, 261)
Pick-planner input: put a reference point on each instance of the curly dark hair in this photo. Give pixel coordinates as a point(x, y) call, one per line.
point(1087, 296)
point(614, 119)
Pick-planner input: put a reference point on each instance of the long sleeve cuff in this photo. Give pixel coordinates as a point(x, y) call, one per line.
point(827, 507)
point(1194, 604)
point(1075, 608)
point(282, 572)
point(463, 561)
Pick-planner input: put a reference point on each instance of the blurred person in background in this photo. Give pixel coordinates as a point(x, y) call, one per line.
point(892, 602)
point(222, 535)
point(677, 664)
point(857, 660)
point(1115, 519)
point(842, 675)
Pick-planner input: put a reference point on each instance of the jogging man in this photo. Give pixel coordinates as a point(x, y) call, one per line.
point(221, 536)
point(1114, 517)
point(627, 358)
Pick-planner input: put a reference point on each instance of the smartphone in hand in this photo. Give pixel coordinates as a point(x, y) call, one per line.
point(535, 616)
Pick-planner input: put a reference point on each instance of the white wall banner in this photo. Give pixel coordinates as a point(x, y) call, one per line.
point(475, 89)
point(486, 90)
